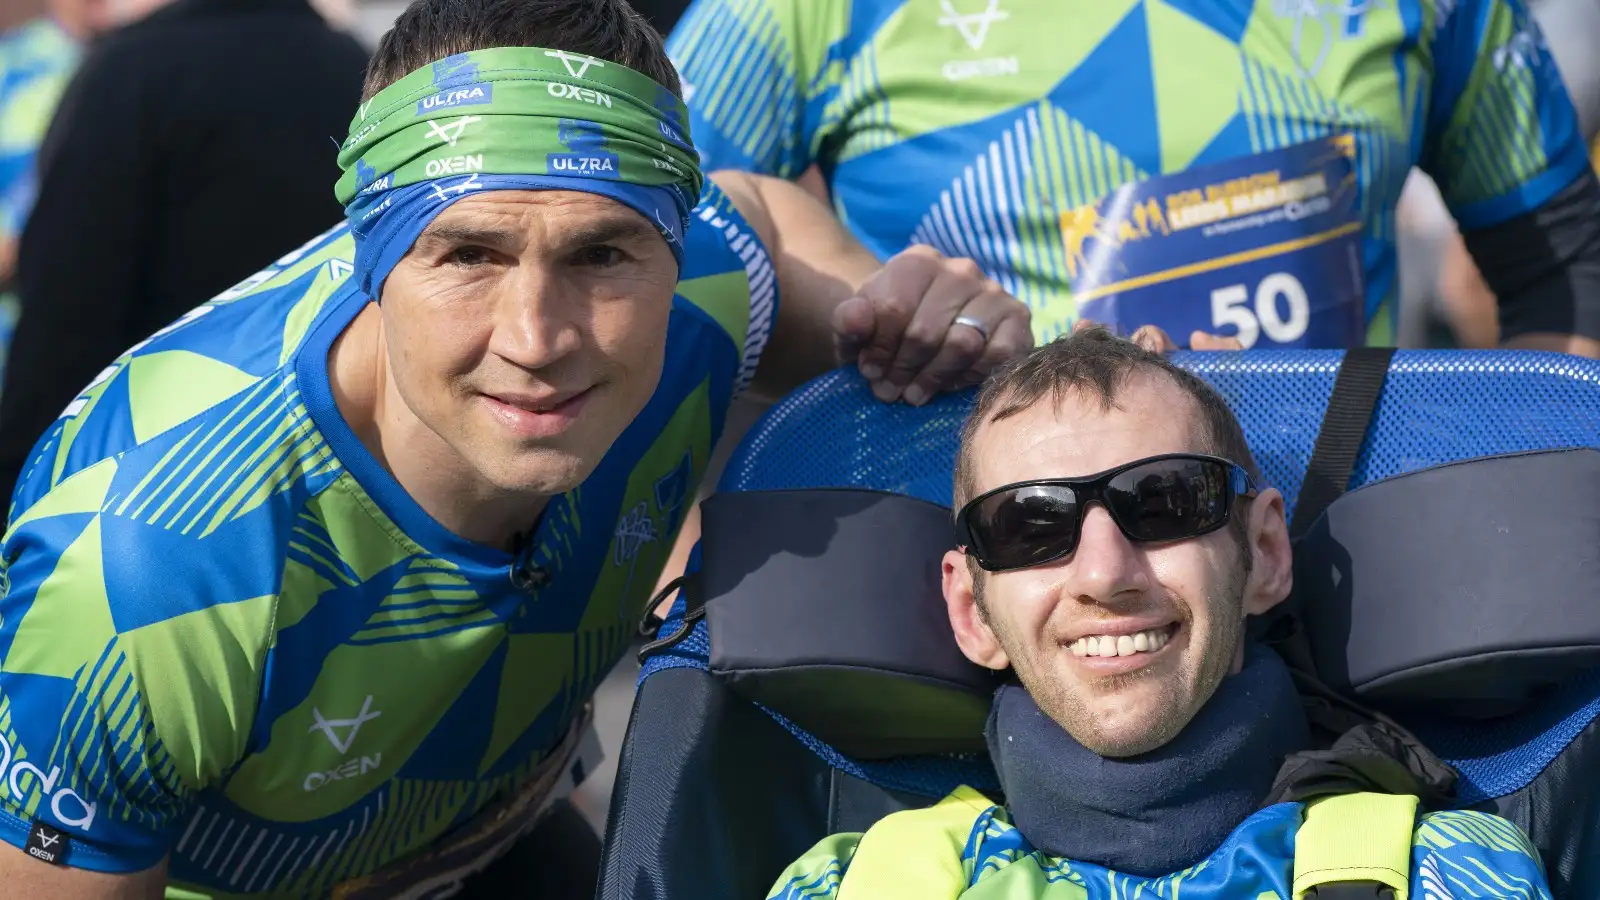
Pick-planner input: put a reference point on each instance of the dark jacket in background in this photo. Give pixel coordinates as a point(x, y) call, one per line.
point(191, 150)
point(663, 14)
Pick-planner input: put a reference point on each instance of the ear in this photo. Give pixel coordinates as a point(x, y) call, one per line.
point(1272, 563)
point(973, 635)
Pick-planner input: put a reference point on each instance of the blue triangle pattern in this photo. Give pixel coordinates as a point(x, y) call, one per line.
point(1113, 90)
point(1231, 142)
point(455, 746)
point(109, 425)
point(1227, 19)
point(242, 559)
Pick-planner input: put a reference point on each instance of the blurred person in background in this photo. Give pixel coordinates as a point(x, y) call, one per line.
point(992, 128)
point(1010, 132)
point(37, 57)
point(152, 181)
point(1447, 302)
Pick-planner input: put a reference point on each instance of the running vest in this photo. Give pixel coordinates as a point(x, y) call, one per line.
point(966, 847)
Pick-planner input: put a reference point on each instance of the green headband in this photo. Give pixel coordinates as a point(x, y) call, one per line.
point(520, 111)
point(510, 118)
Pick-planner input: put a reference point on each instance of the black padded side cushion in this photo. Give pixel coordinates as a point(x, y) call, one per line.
point(825, 606)
point(1463, 589)
point(714, 799)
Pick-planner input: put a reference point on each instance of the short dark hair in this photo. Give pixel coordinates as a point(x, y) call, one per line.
point(1097, 363)
point(430, 30)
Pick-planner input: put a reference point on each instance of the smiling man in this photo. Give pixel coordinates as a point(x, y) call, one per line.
point(1113, 539)
point(308, 593)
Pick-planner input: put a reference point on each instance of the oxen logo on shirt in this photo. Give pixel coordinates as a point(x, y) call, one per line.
point(974, 30)
point(353, 725)
point(974, 27)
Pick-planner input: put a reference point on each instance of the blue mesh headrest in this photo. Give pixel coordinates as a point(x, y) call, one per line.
point(1436, 407)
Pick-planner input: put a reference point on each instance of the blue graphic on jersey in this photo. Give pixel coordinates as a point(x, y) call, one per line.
point(672, 489)
point(1264, 248)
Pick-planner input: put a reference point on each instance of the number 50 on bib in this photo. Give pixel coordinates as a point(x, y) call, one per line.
point(1265, 248)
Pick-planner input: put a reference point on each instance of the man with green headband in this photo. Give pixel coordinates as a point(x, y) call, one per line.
point(307, 594)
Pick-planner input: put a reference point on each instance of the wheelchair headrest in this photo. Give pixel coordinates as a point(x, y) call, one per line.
point(825, 606)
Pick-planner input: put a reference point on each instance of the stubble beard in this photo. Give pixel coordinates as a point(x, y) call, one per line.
point(1179, 694)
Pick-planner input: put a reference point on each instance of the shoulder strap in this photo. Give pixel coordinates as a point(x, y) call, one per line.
point(1344, 429)
point(1355, 847)
point(916, 854)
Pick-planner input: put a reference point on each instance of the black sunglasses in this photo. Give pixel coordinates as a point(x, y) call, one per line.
point(1160, 498)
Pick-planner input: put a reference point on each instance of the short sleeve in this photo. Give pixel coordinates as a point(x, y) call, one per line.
point(1473, 854)
point(757, 80)
point(122, 693)
point(1502, 136)
point(728, 275)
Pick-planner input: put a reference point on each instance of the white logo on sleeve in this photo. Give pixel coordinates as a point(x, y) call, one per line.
point(328, 726)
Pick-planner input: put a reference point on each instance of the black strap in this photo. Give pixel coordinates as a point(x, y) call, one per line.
point(1351, 890)
point(694, 603)
point(1343, 431)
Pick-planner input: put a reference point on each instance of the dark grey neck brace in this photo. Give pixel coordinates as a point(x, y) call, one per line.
point(1163, 811)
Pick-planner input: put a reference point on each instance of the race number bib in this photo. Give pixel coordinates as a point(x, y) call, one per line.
point(1266, 248)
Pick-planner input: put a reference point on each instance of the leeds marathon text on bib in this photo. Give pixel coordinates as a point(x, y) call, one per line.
point(1265, 248)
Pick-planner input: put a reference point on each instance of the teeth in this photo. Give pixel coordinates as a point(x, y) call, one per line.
point(1120, 645)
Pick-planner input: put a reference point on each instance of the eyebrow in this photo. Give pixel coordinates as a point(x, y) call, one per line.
point(617, 229)
point(447, 233)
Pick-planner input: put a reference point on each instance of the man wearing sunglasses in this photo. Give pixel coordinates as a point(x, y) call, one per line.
point(1113, 538)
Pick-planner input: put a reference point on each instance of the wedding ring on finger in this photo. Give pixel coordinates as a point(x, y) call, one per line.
point(975, 324)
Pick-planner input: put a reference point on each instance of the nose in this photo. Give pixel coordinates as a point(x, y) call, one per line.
point(538, 318)
point(1106, 568)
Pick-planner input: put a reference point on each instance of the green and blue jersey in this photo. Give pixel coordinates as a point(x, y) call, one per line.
point(230, 638)
point(981, 127)
point(966, 847)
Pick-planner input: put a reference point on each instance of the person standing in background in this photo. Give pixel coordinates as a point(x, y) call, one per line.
point(152, 180)
point(1450, 303)
point(1005, 130)
point(1052, 143)
point(37, 57)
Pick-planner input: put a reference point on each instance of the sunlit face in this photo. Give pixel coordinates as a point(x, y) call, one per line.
point(1192, 594)
point(527, 329)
